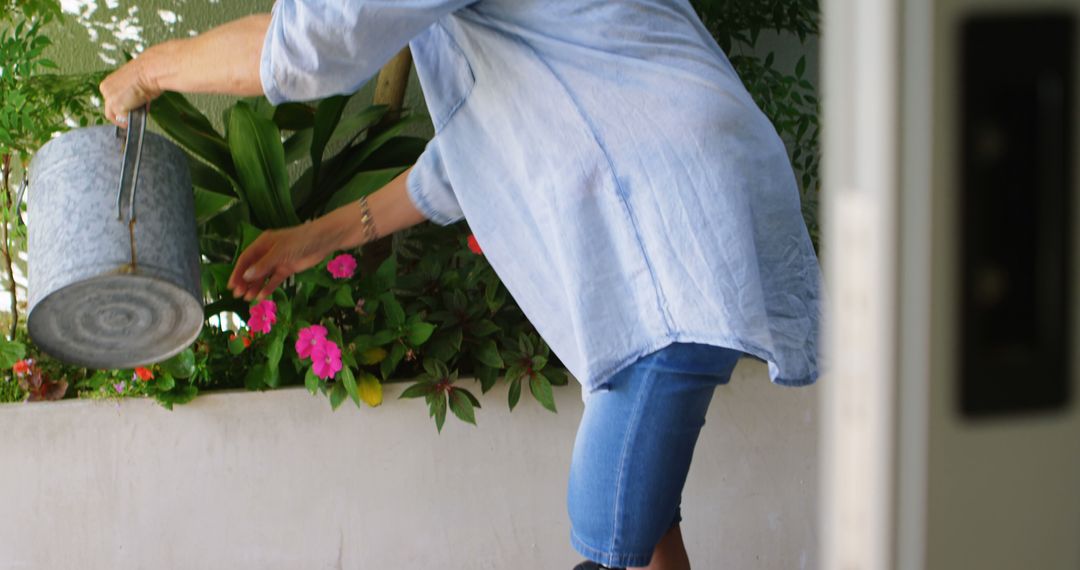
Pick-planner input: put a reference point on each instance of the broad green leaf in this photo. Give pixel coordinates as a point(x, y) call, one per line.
point(10, 353)
point(483, 328)
point(487, 377)
point(327, 116)
point(254, 379)
point(298, 146)
point(179, 395)
point(363, 184)
point(438, 409)
point(343, 297)
point(255, 143)
point(294, 116)
point(515, 393)
point(349, 381)
point(337, 395)
point(557, 376)
point(354, 124)
point(260, 106)
point(387, 366)
point(192, 130)
point(396, 152)
point(462, 406)
point(382, 338)
point(209, 178)
point(386, 274)
point(417, 390)
point(272, 376)
point(472, 399)
point(370, 389)
point(209, 204)
point(354, 161)
point(165, 382)
point(311, 382)
point(236, 345)
point(395, 315)
point(182, 365)
point(541, 390)
point(275, 347)
point(248, 234)
point(488, 354)
point(418, 333)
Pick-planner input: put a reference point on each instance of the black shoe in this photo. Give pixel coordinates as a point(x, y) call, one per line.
point(589, 565)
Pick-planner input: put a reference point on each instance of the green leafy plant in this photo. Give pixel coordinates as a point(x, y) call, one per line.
point(429, 300)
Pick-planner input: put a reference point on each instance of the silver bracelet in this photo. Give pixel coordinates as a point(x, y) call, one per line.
point(370, 232)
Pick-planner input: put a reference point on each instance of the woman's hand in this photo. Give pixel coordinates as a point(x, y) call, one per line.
point(277, 254)
point(131, 86)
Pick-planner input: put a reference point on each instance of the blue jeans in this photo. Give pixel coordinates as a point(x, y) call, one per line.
point(633, 451)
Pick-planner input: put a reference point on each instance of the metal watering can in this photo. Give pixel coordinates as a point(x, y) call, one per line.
point(105, 291)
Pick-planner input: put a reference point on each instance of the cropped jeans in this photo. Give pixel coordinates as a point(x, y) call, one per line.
point(633, 450)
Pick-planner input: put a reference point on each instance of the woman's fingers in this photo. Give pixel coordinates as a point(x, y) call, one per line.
point(273, 257)
point(249, 256)
point(275, 280)
point(127, 88)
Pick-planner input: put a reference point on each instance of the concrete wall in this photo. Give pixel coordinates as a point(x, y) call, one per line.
point(276, 481)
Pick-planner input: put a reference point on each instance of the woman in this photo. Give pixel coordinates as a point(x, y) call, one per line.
point(636, 203)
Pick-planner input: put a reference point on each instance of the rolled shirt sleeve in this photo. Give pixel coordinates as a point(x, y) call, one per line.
point(317, 48)
point(430, 190)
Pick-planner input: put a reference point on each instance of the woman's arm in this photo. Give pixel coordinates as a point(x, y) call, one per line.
point(223, 60)
point(277, 254)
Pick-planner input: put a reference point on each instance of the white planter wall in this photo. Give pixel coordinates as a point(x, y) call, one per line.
point(275, 480)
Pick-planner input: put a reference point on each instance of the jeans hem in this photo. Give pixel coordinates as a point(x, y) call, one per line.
point(606, 558)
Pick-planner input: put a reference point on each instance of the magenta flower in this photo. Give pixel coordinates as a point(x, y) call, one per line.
point(263, 315)
point(119, 387)
point(326, 359)
point(310, 337)
point(342, 266)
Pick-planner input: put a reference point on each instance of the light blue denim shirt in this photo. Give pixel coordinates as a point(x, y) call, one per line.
point(615, 171)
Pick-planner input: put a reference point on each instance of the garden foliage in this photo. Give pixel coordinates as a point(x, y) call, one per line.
point(424, 305)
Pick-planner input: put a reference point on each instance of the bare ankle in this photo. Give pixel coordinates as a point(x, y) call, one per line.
point(670, 553)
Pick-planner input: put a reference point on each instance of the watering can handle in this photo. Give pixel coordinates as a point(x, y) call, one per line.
point(129, 169)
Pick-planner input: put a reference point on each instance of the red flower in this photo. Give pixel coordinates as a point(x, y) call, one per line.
point(246, 339)
point(21, 367)
point(474, 246)
point(144, 374)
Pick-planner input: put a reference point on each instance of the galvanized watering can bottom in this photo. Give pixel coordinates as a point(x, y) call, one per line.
point(116, 321)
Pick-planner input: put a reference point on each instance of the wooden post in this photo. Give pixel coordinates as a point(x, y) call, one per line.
point(390, 91)
point(392, 82)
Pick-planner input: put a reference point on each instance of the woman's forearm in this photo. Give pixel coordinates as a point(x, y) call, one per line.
point(390, 209)
point(223, 60)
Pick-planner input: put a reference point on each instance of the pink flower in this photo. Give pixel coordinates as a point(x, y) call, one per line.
point(310, 338)
point(263, 315)
point(119, 387)
point(342, 266)
point(474, 246)
point(326, 359)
